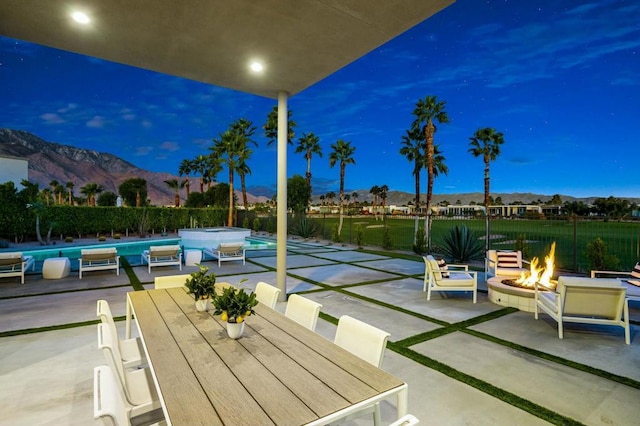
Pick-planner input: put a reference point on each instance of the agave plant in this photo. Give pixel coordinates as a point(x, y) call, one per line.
point(462, 245)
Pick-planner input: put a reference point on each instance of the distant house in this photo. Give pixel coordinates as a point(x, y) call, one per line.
point(13, 169)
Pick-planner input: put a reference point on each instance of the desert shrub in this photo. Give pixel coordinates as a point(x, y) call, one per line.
point(246, 223)
point(387, 243)
point(522, 246)
point(462, 245)
point(256, 224)
point(359, 236)
point(304, 227)
point(420, 243)
point(335, 235)
point(597, 254)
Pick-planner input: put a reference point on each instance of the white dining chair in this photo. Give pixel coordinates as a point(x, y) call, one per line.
point(170, 281)
point(109, 402)
point(137, 385)
point(267, 294)
point(366, 342)
point(131, 350)
point(303, 311)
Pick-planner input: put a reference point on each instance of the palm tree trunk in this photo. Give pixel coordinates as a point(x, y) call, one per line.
point(244, 191)
point(230, 217)
point(342, 166)
point(429, 130)
point(487, 224)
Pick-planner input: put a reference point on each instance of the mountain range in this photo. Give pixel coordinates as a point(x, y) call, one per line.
point(50, 161)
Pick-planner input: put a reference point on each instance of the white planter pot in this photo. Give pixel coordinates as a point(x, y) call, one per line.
point(202, 305)
point(235, 330)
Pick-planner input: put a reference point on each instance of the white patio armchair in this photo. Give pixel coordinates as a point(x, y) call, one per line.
point(303, 311)
point(170, 281)
point(505, 263)
point(131, 350)
point(15, 264)
point(437, 279)
point(633, 277)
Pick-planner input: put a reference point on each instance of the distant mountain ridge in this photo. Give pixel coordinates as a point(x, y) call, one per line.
point(50, 161)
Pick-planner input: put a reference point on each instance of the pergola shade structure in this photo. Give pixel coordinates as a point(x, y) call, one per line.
point(298, 42)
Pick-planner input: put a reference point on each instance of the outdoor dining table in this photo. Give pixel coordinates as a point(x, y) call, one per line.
point(278, 372)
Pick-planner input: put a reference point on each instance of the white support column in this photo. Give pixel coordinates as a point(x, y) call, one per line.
point(281, 236)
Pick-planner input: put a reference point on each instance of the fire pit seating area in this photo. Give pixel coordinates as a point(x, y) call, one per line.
point(584, 300)
point(504, 263)
point(15, 265)
point(437, 278)
point(99, 259)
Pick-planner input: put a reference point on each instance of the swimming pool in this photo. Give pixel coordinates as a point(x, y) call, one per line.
point(129, 248)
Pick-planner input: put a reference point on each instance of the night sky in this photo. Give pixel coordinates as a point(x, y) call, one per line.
point(560, 79)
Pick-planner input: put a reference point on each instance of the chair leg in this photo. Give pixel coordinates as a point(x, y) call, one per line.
point(377, 420)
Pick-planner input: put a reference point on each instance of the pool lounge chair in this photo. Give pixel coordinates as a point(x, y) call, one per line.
point(162, 256)
point(228, 252)
point(98, 260)
point(14, 264)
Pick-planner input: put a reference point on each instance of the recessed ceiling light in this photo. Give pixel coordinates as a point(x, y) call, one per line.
point(256, 66)
point(81, 17)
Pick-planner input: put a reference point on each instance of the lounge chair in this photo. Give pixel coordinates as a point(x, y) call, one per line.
point(632, 277)
point(99, 259)
point(15, 264)
point(228, 252)
point(162, 256)
point(586, 301)
point(437, 279)
point(504, 263)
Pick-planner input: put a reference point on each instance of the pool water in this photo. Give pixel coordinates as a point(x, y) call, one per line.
point(129, 248)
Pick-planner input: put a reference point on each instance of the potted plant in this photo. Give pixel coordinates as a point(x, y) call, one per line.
point(234, 305)
point(202, 286)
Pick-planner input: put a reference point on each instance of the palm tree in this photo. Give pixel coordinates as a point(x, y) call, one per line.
point(46, 194)
point(384, 189)
point(342, 153)
point(412, 150)
point(244, 129)
point(54, 184)
point(309, 144)
point(90, 190)
point(271, 127)
point(321, 201)
point(330, 196)
point(176, 186)
point(354, 195)
point(375, 191)
point(185, 169)
point(59, 191)
point(200, 165)
point(486, 143)
point(347, 198)
point(70, 186)
point(213, 166)
point(426, 112)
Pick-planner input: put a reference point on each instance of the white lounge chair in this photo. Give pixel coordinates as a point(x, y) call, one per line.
point(162, 256)
point(267, 294)
point(15, 264)
point(303, 311)
point(586, 301)
point(504, 263)
point(226, 252)
point(99, 259)
point(632, 277)
point(366, 342)
point(436, 279)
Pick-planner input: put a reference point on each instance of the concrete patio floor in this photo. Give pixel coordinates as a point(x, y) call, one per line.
point(46, 375)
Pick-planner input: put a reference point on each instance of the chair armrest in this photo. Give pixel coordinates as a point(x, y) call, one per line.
point(465, 267)
point(593, 273)
point(528, 262)
point(490, 260)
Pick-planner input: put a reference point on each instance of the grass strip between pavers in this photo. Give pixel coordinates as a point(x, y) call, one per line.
point(54, 327)
point(133, 278)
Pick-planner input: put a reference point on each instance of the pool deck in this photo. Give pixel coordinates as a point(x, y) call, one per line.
point(485, 356)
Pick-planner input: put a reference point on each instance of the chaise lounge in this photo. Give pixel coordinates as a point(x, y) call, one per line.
point(162, 256)
point(15, 265)
point(98, 260)
point(228, 252)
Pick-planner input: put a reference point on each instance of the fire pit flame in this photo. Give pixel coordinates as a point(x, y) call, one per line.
point(538, 274)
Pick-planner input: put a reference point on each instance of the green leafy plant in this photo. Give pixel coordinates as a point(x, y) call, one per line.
point(522, 245)
point(599, 258)
point(462, 245)
point(201, 285)
point(387, 242)
point(256, 224)
point(234, 304)
point(335, 235)
point(304, 227)
point(359, 236)
point(245, 223)
point(420, 243)
point(270, 226)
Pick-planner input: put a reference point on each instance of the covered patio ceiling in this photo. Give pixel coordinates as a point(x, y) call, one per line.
point(299, 42)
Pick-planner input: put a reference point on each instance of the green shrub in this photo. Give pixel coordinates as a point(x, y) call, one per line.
point(117, 236)
point(256, 224)
point(387, 243)
point(359, 236)
point(462, 245)
point(420, 243)
point(522, 246)
point(270, 225)
point(599, 258)
point(245, 223)
point(335, 236)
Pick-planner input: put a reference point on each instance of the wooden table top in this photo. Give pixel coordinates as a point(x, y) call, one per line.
point(278, 373)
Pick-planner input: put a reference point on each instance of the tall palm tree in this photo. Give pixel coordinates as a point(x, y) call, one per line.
point(54, 184)
point(486, 143)
point(213, 166)
point(342, 153)
point(176, 186)
point(384, 190)
point(426, 112)
point(59, 192)
point(90, 190)
point(244, 130)
point(375, 191)
point(46, 194)
point(271, 127)
point(184, 169)
point(309, 144)
point(70, 186)
point(412, 150)
point(330, 196)
point(354, 195)
point(200, 166)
